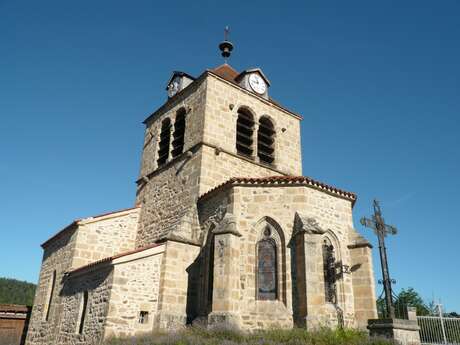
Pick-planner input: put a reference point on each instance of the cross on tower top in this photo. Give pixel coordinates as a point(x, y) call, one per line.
point(226, 46)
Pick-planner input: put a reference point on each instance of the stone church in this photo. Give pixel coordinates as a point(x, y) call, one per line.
point(225, 231)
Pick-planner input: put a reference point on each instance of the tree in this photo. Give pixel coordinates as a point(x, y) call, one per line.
point(411, 298)
point(13, 291)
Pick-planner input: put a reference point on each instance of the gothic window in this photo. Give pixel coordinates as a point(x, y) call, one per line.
point(244, 133)
point(265, 141)
point(163, 147)
point(267, 267)
point(82, 312)
point(329, 271)
point(178, 135)
point(51, 286)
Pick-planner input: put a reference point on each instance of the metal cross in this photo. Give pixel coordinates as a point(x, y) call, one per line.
point(381, 229)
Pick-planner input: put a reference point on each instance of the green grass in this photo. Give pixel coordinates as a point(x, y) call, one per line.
point(200, 336)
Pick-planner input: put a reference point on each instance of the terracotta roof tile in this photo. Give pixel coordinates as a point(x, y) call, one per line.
point(226, 71)
point(113, 257)
point(283, 181)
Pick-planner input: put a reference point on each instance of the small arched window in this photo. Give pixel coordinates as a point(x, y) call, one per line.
point(51, 286)
point(265, 141)
point(267, 267)
point(244, 133)
point(330, 277)
point(82, 312)
point(165, 137)
point(178, 135)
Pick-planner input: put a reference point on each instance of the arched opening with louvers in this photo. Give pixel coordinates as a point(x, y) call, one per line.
point(266, 141)
point(244, 133)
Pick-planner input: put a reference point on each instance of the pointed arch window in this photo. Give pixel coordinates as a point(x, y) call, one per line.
point(330, 276)
point(267, 267)
point(179, 132)
point(165, 137)
point(244, 133)
point(266, 141)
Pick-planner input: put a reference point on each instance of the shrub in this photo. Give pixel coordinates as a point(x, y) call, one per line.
point(201, 336)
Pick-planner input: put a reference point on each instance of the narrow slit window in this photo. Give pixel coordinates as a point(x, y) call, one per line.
point(143, 317)
point(244, 133)
point(329, 272)
point(266, 141)
point(165, 138)
point(178, 135)
point(82, 316)
point(51, 286)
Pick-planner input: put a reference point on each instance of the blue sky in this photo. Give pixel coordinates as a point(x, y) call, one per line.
point(376, 82)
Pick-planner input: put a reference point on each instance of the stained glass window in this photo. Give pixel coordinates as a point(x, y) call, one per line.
point(267, 285)
point(329, 272)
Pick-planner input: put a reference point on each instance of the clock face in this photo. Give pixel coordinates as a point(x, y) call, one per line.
point(257, 83)
point(173, 87)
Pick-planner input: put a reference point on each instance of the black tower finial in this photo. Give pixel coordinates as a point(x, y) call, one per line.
point(226, 46)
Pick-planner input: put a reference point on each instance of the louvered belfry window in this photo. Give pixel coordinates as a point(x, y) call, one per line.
point(266, 141)
point(244, 133)
point(178, 135)
point(165, 137)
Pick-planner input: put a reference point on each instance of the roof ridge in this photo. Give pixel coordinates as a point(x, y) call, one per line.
point(289, 179)
point(113, 257)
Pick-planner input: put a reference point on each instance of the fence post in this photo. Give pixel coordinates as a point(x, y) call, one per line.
point(442, 324)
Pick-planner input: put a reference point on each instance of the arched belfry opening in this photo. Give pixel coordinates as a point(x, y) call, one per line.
point(179, 133)
point(244, 133)
point(266, 141)
point(163, 145)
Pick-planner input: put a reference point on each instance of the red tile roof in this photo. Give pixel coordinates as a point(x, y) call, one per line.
point(283, 181)
point(14, 308)
point(113, 257)
point(227, 72)
point(76, 221)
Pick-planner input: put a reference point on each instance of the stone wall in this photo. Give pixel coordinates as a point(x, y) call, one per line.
point(97, 283)
point(217, 167)
point(255, 206)
point(134, 289)
point(177, 301)
point(363, 283)
point(193, 100)
point(168, 193)
point(169, 201)
point(57, 256)
point(81, 243)
point(223, 99)
point(104, 236)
